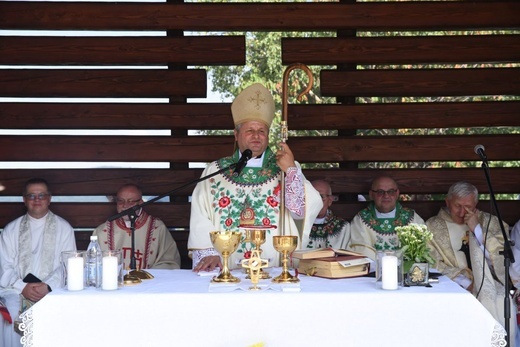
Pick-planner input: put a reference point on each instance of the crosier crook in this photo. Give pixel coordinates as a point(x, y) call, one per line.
point(285, 131)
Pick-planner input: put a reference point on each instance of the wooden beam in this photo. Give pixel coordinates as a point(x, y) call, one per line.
point(404, 115)
point(427, 82)
point(426, 209)
point(207, 148)
point(260, 16)
point(472, 49)
point(90, 215)
point(116, 83)
point(155, 182)
point(218, 115)
point(42, 115)
point(189, 50)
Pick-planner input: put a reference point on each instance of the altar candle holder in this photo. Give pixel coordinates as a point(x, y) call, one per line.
point(73, 264)
point(389, 269)
point(112, 270)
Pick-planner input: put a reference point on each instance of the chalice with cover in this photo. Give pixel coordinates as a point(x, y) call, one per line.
point(225, 242)
point(285, 245)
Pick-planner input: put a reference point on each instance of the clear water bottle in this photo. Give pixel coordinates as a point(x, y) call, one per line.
point(94, 258)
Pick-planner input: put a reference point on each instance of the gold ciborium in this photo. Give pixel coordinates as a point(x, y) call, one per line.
point(257, 237)
point(285, 245)
point(225, 242)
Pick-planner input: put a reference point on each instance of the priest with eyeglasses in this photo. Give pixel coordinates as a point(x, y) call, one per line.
point(30, 248)
point(373, 228)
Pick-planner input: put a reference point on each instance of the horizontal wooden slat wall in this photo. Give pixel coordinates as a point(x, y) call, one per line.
point(158, 64)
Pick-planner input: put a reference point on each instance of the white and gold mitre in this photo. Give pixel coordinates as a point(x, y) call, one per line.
point(255, 103)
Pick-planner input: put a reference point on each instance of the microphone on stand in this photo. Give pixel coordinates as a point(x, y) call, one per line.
point(246, 155)
point(480, 151)
point(507, 252)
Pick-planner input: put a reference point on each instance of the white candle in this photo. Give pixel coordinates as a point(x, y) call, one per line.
point(389, 272)
point(110, 272)
point(75, 278)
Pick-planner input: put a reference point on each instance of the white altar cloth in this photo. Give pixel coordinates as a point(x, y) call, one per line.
point(176, 308)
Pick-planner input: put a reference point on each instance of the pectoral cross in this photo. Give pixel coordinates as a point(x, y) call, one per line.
point(465, 248)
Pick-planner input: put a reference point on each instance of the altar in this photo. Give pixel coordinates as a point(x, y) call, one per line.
point(180, 308)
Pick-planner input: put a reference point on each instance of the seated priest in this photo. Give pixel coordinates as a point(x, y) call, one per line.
point(466, 246)
point(328, 230)
point(30, 249)
point(373, 228)
point(155, 247)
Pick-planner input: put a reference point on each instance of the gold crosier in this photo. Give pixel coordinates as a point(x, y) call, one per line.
point(286, 244)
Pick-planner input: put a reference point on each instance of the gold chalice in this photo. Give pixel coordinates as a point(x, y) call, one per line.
point(225, 242)
point(285, 245)
point(257, 237)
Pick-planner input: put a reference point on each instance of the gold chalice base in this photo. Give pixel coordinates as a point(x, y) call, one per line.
point(141, 274)
point(286, 277)
point(225, 278)
point(130, 280)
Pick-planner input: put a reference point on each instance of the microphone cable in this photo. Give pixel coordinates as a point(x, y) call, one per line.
point(485, 232)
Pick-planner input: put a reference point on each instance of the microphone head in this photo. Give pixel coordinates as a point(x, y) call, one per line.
point(479, 147)
point(247, 154)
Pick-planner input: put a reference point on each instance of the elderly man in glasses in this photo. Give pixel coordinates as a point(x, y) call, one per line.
point(467, 246)
point(373, 228)
point(155, 247)
point(30, 248)
point(328, 229)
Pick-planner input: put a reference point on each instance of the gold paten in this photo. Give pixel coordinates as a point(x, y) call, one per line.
point(142, 274)
point(130, 280)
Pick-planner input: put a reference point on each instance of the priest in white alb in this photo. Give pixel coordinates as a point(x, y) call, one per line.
point(30, 249)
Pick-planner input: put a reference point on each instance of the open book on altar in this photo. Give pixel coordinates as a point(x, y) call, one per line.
point(338, 266)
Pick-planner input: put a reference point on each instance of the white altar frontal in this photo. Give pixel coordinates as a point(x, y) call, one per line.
point(181, 308)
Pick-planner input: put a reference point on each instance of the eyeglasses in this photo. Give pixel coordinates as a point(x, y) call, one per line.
point(381, 192)
point(127, 202)
point(39, 196)
point(324, 196)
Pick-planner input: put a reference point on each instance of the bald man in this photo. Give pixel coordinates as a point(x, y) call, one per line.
point(373, 228)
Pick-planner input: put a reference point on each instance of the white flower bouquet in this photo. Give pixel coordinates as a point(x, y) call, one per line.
point(413, 239)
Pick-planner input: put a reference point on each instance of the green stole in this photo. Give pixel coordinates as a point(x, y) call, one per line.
point(386, 237)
